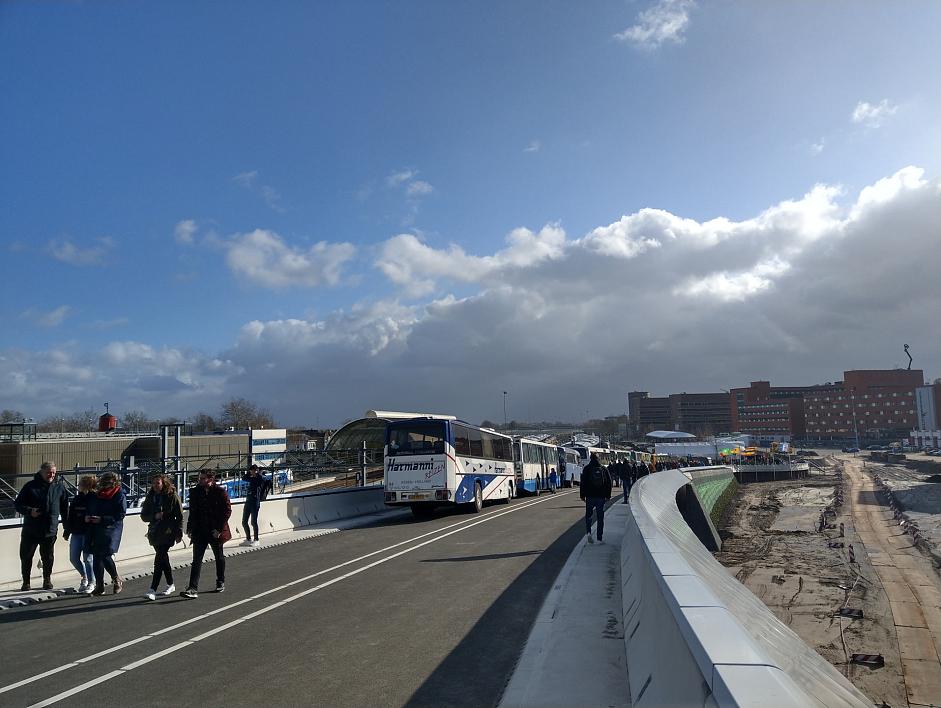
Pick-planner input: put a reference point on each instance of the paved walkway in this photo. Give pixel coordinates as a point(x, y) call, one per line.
point(575, 651)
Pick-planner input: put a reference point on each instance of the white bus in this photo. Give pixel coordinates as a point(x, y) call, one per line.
point(537, 466)
point(433, 462)
point(570, 466)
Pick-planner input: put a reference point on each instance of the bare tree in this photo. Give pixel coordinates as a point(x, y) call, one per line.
point(240, 413)
point(9, 415)
point(203, 423)
point(137, 421)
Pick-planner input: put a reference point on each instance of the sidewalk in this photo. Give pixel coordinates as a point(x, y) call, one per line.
point(575, 651)
point(65, 578)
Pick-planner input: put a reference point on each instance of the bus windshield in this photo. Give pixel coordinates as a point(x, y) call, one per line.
point(415, 437)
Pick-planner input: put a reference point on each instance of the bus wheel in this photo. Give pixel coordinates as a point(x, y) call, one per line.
point(478, 502)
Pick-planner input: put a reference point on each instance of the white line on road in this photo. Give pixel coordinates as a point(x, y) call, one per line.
point(451, 529)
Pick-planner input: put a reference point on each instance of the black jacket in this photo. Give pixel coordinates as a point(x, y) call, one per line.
point(52, 501)
point(165, 531)
point(78, 508)
point(596, 482)
point(258, 488)
point(210, 510)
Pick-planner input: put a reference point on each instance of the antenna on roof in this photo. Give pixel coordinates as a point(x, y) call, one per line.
point(909, 358)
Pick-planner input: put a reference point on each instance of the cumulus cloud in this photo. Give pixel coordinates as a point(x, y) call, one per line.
point(664, 21)
point(185, 231)
point(416, 267)
point(796, 293)
point(534, 146)
point(817, 147)
point(263, 257)
point(873, 115)
point(418, 188)
point(64, 250)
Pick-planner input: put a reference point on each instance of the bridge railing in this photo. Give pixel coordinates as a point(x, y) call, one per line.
point(693, 634)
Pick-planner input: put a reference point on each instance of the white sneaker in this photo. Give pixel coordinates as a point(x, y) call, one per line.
point(590, 539)
point(600, 541)
point(246, 542)
point(150, 595)
point(255, 544)
point(90, 588)
point(82, 586)
point(169, 590)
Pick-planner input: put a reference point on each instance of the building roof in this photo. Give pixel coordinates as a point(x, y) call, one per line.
point(669, 435)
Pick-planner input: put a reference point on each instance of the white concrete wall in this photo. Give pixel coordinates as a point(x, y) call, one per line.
point(696, 636)
point(278, 513)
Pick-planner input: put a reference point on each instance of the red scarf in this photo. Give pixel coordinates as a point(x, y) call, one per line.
point(108, 493)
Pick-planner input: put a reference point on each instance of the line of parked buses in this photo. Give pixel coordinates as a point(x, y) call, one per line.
point(441, 461)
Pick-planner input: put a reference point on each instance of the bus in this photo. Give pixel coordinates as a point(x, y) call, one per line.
point(431, 462)
point(536, 464)
point(570, 466)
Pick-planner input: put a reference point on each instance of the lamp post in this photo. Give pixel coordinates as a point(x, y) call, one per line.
point(504, 412)
point(855, 427)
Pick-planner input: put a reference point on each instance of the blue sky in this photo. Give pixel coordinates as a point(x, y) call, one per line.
point(169, 169)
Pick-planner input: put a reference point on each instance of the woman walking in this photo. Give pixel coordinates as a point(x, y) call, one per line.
point(76, 531)
point(163, 510)
point(106, 511)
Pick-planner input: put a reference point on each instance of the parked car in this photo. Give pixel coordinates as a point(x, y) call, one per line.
point(850, 449)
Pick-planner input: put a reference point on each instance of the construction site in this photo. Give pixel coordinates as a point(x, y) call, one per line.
point(848, 558)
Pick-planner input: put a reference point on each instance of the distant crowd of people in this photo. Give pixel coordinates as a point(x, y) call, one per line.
point(93, 523)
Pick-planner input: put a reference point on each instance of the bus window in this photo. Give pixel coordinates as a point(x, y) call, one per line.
point(476, 443)
point(415, 437)
point(461, 439)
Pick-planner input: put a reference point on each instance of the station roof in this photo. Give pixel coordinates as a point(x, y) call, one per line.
point(669, 435)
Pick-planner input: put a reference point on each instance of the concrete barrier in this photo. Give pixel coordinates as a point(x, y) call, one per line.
point(279, 512)
point(696, 636)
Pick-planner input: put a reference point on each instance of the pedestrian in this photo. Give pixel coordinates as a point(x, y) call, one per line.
point(207, 525)
point(76, 531)
point(106, 510)
point(624, 470)
point(163, 511)
point(595, 490)
point(41, 502)
point(258, 488)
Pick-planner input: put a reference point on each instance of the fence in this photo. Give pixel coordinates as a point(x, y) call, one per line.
point(298, 471)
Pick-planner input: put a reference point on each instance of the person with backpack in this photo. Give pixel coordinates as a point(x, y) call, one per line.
point(595, 491)
point(41, 501)
point(208, 526)
point(258, 488)
point(163, 511)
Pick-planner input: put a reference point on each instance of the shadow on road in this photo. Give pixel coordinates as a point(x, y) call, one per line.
point(476, 672)
point(491, 556)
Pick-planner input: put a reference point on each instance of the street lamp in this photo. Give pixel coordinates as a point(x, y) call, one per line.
point(855, 427)
point(504, 411)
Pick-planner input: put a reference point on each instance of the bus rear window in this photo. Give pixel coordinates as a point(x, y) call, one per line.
point(416, 438)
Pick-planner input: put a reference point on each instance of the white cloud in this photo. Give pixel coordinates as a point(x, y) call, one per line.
point(873, 115)
point(651, 301)
point(664, 21)
point(110, 324)
point(397, 178)
point(64, 250)
point(534, 146)
point(418, 188)
point(185, 231)
point(52, 318)
point(416, 267)
point(271, 196)
point(817, 147)
point(264, 258)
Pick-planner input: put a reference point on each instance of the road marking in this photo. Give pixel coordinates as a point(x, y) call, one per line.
point(451, 529)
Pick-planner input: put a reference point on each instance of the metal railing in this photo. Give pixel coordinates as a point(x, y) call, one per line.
point(296, 471)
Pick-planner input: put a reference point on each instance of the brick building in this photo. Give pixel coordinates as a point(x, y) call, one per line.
point(772, 412)
point(873, 405)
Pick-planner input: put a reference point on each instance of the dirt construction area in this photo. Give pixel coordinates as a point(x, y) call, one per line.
point(867, 590)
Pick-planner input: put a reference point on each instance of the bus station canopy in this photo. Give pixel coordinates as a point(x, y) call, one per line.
point(669, 435)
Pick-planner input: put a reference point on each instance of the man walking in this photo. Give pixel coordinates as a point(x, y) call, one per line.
point(41, 501)
point(624, 471)
point(595, 490)
point(258, 488)
point(207, 525)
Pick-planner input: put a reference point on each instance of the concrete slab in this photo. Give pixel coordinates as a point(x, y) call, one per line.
point(916, 643)
point(899, 592)
point(908, 614)
point(890, 574)
point(923, 682)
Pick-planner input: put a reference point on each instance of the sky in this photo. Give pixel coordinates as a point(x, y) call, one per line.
point(415, 205)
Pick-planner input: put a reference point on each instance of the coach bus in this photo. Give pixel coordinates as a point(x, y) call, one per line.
point(432, 462)
point(537, 466)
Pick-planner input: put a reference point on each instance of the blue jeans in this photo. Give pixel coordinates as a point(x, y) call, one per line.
point(250, 511)
point(77, 554)
point(626, 489)
point(595, 504)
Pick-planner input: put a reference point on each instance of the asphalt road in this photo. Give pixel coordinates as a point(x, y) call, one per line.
point(401, 612)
